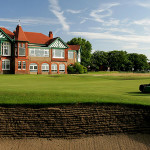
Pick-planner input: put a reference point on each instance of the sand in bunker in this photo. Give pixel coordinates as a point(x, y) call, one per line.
point(105, 142)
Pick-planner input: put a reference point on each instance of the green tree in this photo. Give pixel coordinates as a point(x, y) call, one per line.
point(86, 48)
point(99, 60)
point(118, 60)
point(139, 61)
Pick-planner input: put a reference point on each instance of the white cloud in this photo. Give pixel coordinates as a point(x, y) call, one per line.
point(111, 22)
point(99, 14)
point(29, 21)
point(143, 4)
point(74, 11)
point(84, 20)
point(56, 10)
point(109, 36)
point(121, 30)
point(143, 22)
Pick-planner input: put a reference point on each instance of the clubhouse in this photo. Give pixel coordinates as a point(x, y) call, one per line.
point(35, 53)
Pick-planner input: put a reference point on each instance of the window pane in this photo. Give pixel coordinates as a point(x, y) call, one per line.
point(62, 53)
point(57, 53)
point(6, 64)
point(33, 67)
point(3, 64)
point(70, 54)
point(45, 67)
point(62, 68)
point(31, 51)
point(21, 51)
point(23, 45)
point(24, 65)
point(39, 52)
point(54, 67)
point(6, 49)
point(19, 64)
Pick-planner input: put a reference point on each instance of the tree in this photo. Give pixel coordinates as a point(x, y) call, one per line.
point(99, 60)
point(118, 60)
point(86, 48)
point(139, 61)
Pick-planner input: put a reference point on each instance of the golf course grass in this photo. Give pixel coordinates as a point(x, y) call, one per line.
point(48, 89)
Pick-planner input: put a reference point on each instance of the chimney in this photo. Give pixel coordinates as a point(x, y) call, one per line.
point(51, 35)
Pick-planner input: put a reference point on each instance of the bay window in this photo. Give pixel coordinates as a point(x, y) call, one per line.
point(37, 52)
point(58, 53)
point(22, 49)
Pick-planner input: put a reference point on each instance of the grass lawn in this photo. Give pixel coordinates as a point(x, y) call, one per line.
point(44, 89)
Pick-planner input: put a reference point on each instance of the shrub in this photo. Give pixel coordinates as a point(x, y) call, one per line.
point(76, 69)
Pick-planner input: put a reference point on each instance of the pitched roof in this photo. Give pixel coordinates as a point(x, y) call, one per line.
point(34, 37)
point(9, 33)
point(52, 40)
point(74, 47)
point(37, 38)
point(19, 34)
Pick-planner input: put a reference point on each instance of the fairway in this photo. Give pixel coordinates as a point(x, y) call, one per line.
point(48, 89)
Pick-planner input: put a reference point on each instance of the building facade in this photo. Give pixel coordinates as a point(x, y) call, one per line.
point(35, 53)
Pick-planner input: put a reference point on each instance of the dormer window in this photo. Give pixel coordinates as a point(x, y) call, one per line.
point(22, 49)
point(6, 49)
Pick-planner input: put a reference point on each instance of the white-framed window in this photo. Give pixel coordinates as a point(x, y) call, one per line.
point(37, 52)
point(6, 49)
point(58, 53)
point(33, 67)
point(24, 65)
point(54, 67)
point(70, 54)
point(5, 64)
point(61, 68)
point(19, 65)
point(45, 67)
point(22, 49)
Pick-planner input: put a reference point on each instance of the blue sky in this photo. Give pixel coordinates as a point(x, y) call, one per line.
point(107, 24)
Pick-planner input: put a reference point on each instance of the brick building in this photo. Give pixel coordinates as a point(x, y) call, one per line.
point(35, 53)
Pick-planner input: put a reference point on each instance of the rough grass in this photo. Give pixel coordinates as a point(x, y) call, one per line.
point(45, 89)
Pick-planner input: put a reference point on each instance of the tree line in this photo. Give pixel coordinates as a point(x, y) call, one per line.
point(115, 60)
point(118, 61)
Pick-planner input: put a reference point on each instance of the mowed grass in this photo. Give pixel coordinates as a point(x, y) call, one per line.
point(47, 89)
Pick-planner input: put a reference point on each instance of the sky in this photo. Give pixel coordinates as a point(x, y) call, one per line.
point(107, 24)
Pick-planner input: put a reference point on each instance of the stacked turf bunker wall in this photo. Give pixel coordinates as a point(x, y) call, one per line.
point(72, 120)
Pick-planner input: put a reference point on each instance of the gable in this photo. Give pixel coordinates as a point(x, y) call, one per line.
point(2, 36)
point(58, 44)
